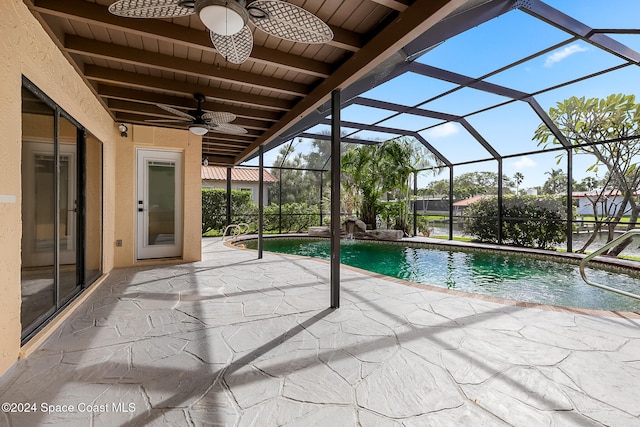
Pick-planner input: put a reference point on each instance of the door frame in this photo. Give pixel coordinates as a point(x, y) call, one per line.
point(143, 249)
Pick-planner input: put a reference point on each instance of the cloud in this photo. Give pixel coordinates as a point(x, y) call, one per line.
point(443, 131)
point(523, 163)
point(559, 55)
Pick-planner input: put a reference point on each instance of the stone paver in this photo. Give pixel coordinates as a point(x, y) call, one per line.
point(236, 341)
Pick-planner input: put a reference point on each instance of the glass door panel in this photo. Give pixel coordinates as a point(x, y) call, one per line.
point(67, 209)
point(38, 273)
point(162, 200)
point(54, 210)
point(159, 205)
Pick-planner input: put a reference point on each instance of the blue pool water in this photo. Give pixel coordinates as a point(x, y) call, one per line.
point(502, 275)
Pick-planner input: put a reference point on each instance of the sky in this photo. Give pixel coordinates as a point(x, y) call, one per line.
point(510, 128)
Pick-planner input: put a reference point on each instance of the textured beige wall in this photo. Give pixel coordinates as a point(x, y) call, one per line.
point(26, 49)
point(157, 139)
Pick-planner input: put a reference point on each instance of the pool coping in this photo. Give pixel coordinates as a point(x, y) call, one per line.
point(604, 261)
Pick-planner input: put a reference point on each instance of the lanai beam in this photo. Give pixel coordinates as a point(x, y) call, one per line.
point(566, 23)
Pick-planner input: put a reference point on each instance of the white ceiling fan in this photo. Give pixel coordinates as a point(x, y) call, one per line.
point(227, 21)
point(200, 122)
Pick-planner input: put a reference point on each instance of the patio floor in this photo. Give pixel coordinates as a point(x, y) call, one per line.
point(235, 341)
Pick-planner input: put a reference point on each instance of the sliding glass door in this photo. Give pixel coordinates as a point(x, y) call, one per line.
point(54, 216)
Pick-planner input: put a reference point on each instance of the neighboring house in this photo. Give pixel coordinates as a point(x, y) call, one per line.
point(241, 179)
point(461, 205)
point(606, 202)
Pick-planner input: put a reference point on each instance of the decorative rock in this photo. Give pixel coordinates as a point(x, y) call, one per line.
point(319, 232)
point(383, 234)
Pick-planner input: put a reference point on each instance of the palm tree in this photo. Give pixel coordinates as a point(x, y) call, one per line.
point(518, 178)
point(557, 182)
point(376, 169)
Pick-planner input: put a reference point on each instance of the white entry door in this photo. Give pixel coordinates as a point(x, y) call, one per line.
point(159, 204)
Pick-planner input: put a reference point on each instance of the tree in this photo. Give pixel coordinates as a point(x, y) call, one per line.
point(608, 130)
point(556, 183)
point(518, 177)
point(374, 170)
point(297, 184)
point(588, 183)
point(470, 184)
point(436, 188)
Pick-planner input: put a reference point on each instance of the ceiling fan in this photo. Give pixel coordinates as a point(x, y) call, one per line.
point(201, 122)
point(227, 21)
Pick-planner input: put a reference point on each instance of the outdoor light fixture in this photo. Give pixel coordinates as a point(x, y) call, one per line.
point(205, 162)
point(198, 129)
point(123, 130)
point(222, 16)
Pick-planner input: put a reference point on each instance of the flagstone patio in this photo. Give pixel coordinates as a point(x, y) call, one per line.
point(236, 341)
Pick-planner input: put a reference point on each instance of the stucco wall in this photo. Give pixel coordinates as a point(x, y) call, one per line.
point(157, 138)
point(25, 49)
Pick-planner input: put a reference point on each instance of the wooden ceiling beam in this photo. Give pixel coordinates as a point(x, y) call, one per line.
point(129, 55)
point(95, 14)
point(415, 20)
point(220, 149)
point(347, 40)
point(212, 142)
point(144, 97)
point(140, 81)
point(236, 139)
point(399, 5)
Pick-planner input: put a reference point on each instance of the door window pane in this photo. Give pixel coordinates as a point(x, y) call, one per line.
point(162, 198)
point(67, 220)
point(38, 209)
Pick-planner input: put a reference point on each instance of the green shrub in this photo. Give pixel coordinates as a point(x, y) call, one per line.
point(296, 217)
point(529, 221)
point(214, 209)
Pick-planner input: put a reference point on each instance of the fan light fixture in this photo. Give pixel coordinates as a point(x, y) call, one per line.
point(227, 21)
point(222, 16)
point(199, 130)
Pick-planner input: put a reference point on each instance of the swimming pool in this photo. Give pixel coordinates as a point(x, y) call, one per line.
point(497, 274)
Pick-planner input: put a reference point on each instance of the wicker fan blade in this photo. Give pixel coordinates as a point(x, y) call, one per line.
point(218, 117)
point(228, 128)
point(176, 112)
point(289, 22)
point(236, 48)
point(149, 9)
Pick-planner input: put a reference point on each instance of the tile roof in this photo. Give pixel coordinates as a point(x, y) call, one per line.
point(599, 193)
point(219, 173)
point(470, 200)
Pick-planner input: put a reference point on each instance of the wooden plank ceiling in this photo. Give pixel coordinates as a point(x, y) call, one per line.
point(133, 64)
